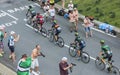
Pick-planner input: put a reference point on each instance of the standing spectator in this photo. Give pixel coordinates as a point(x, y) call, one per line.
point(63, 66)
point(52, 13)
point(72, 21)
point(23, 67)
point(11, 44)
point(76, 18)
point(2, 36)
point(63, 4)
point(34, 55)
point(70, 6)
point(46, 7)
point(87, 24)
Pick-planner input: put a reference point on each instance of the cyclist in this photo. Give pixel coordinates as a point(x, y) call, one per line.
point(39, 20)
point(57, 30)
point(80, 42)
point(105, 52)
point(31, 12)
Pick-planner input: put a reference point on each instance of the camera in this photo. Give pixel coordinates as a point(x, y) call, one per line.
point(41, 54)
point(71, 68)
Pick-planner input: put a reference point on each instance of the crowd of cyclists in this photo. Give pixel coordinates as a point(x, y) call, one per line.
point(49, 15)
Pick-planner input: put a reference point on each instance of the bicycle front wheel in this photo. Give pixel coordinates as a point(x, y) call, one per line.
point(44, 32)
point(72, 51)
point(85, 57)
point(115, 70)
point(50, 36)
point(60, 42)
point(99, 64)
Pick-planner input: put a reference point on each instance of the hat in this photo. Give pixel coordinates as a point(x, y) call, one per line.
point(64, 58)
point(12, 32)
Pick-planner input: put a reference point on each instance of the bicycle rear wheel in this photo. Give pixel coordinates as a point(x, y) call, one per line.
point(60, 42)
point(50, 36)
point(99, 64)
point(85, 57)
point(44, 32)
point(115, 70)
point(72, 51)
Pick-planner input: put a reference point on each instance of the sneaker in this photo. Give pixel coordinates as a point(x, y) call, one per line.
point(1, 55)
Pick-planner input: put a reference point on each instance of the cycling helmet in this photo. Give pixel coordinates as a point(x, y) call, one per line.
point(102, 41)
point(76, 34)
point(12, 32)
point(55, 21)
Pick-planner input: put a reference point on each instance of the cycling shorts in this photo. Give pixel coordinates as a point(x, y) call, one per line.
point(57, 32)
point(107, 56)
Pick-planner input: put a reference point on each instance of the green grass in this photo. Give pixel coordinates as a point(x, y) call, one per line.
point(103, 10)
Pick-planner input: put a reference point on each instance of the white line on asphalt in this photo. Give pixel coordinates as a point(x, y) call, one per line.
point(64, 44)
point(102, 32)
point(9, 15)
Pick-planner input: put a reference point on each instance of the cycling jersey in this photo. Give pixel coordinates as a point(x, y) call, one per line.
point(106, 49)
point(11, 41)
point(40, 19)
point(81, 42)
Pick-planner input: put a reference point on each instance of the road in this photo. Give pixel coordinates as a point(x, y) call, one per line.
point(12, 15)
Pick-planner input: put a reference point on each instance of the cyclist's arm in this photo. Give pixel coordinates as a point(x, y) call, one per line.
point(27, 12)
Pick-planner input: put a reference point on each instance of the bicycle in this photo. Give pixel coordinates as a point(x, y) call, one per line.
point(43, 31)
point(73, 51)
point(51, 37)
point(100, 64)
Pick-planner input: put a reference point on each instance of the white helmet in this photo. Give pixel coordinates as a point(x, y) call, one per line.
point(12, 32)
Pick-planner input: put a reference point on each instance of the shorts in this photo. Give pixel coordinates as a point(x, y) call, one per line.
point(34, 63)
point(57, 32)
point(52, 17)
point(1, 45)
point(12, 48)
point(108, 57)
point(72, 24)
point(87, 29)
point(33, 14)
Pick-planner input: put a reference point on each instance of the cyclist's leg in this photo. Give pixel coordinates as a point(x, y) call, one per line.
point(56, 35)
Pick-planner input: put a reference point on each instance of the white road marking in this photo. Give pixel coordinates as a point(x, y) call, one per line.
point(9, 15)
point(103, 32)
point(67, 46)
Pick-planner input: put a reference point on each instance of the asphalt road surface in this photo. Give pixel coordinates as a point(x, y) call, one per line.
point(12, 15)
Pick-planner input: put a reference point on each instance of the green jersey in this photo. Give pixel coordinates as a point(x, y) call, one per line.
point(106, 49)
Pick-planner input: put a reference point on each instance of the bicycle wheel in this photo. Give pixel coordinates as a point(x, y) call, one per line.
point(50, 36)
point(115, 70)
point(72, 51)
point(99, 64)
point(44, 32)
point(85, 57)
point(60, 42)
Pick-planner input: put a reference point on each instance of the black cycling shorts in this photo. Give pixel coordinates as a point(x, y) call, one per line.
point(108, 56)
point(12, 48)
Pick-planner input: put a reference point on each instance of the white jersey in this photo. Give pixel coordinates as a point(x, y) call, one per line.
point(52, 12)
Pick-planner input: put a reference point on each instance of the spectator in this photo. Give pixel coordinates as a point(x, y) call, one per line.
point(70, 6)
point(2, 36)
point(72, 21)
point(46, 7)
point(63, 4)
point(52, 13)
point(24, 64)
point(63, 66)
point(87, 25)
point(11, 44)
point(35, 65)
point(76, 18)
